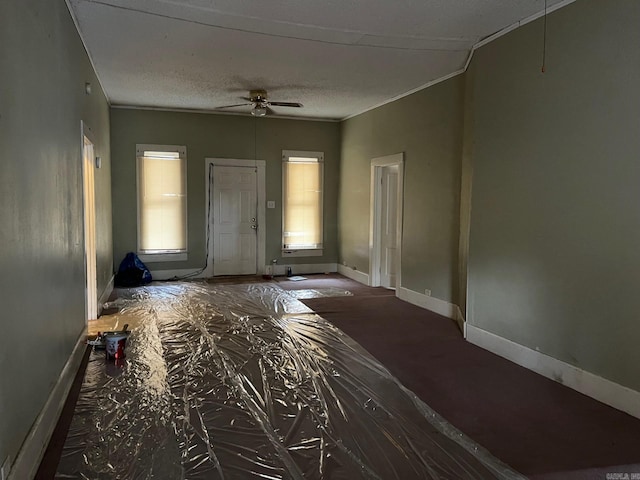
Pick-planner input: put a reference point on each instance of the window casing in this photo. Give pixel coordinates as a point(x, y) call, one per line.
point(162, 202)
point(302, 198)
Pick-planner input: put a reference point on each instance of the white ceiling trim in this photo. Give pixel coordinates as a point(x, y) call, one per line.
point(86, 49)
point(481, 43)
point(477, 45)
point(410, 92)
point(352, 38)
point(521, 23)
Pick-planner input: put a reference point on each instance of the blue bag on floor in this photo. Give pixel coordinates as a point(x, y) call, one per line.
point(132, 272)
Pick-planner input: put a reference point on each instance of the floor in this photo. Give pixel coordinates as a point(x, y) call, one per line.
point(539, 427)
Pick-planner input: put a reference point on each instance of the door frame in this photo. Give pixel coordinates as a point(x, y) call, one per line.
point(89, 246)
point(376, 216)
point(260, 166)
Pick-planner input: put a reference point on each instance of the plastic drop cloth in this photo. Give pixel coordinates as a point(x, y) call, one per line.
point(245, 382)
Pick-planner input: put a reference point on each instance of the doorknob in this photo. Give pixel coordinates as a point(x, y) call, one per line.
point(255, 227)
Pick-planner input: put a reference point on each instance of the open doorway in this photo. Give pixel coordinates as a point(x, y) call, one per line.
point(386, 221)
point(89, 209)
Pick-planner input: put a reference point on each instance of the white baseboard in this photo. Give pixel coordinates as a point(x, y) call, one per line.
point(34, 446)
point(353, 274)
point(430, 303)
point(304, 268)
point(601, 389)
point(296, 269)
point(106, 294)
point(462, 324)
point(178, 273)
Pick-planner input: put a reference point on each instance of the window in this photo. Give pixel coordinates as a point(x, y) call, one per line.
point(162, 202)
point(302, 203)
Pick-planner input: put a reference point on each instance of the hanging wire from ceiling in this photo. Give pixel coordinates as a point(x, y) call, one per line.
point(255, 149)
point(544, 39)
point(255, 169)
point(197, 272)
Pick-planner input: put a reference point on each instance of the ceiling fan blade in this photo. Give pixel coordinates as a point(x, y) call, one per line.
point(236, 105)
point(286, 104)
point(270, 111)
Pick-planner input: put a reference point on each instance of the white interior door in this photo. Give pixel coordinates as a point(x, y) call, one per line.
point(388, 225)
point(385, 225)
point(89, 207)
point(234, 220)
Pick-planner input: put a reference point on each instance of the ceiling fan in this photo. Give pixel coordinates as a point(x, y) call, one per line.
point(261, 103)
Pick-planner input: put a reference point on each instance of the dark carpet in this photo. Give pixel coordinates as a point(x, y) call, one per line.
point(534, 424)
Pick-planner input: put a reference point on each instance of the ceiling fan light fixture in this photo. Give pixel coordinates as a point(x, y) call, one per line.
point(259, 110)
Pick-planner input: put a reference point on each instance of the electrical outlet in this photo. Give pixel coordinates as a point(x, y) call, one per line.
point(427, 292)
point(4, 470)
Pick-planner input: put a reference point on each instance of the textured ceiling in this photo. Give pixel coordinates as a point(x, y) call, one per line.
point(337, 57)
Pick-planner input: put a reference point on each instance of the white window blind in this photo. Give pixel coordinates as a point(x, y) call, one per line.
point(162, 201)
point(302, 200)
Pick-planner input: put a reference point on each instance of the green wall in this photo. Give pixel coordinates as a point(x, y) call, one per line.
point(427, 126)
point(466, 182)
point(219, 136)
point(43, 70)
point(520, 187)
point(554, 259)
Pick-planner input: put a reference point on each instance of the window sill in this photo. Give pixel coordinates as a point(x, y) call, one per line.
point(304, 252)
point(162, 257)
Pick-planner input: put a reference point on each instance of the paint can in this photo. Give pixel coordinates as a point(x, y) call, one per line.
point(115, 368)
point(116, 342)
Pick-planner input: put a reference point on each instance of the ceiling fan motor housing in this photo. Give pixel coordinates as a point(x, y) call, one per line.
point(258, 96)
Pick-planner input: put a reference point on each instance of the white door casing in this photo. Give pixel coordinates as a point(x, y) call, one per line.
point(235, 195)
point(385, 226)
point(388, 225)
point(89, 224)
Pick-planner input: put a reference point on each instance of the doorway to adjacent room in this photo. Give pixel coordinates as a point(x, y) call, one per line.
point(386, 220)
